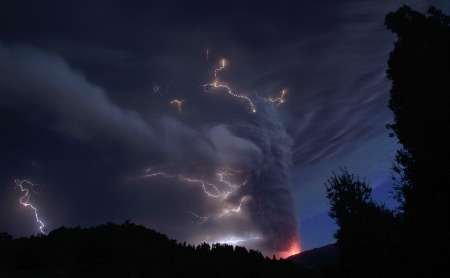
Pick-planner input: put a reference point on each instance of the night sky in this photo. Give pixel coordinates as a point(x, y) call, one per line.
point(85, 114)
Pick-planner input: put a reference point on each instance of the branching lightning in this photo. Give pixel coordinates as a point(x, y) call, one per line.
point(234, 210)
point(223, 188)
point(217, 84)
point(224, 174)
point(279, 99)
point(271, 131)
point(221, 67)
point(25, 202)
point(200, 219)
point(212, 190)
point(206, 186)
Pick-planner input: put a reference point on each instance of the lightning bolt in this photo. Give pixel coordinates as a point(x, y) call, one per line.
point(25, 202)
point(234, 210)
point(224, 184)
point(200, 219)
point(209, 189)
point(212, 190)
point(221, 67)
point(205, 185)
point(178, 103)
point(279, 99)
point(216, 84)
point(223, 174)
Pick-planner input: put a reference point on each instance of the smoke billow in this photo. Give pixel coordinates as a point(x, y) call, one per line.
point(258, 145)
point(272, 206)
point(30, 77)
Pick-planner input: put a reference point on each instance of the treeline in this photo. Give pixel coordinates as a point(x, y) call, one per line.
point(130, 250)
point(373, 241)
point(411, 241)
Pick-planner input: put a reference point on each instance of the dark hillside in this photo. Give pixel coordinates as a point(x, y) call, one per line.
point(325, 256)
point(130, 250)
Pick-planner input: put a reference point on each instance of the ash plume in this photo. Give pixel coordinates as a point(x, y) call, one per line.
point(272, 205)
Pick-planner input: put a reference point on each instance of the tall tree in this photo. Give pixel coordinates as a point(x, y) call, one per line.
point(367, 231)
point(419, 67)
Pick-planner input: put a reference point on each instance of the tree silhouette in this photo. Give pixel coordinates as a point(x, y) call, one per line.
point(367, 231)
point(419, 67)
point(414, 241)
point(130, 250)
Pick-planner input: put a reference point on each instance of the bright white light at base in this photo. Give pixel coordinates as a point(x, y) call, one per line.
point(237, 240)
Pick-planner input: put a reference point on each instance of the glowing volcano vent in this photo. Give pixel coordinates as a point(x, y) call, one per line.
point(293, 249)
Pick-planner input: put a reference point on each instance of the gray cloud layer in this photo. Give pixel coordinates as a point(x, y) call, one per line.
point(94, 87)
point(42, 81)
point(33, 78)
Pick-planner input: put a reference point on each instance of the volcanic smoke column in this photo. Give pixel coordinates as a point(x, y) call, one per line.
point(272, 205)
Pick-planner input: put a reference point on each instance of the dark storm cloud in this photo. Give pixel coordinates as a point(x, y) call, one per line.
point(86, 70)
point(83, 110)
point(30, 77)
point(269, 186)
point(34, 79)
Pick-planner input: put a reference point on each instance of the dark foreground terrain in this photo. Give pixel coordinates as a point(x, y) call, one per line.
point(325, 257)
point(372, 240)
point(130, 250)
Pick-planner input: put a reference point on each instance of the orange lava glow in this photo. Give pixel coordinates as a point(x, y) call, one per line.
point(295, 248)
